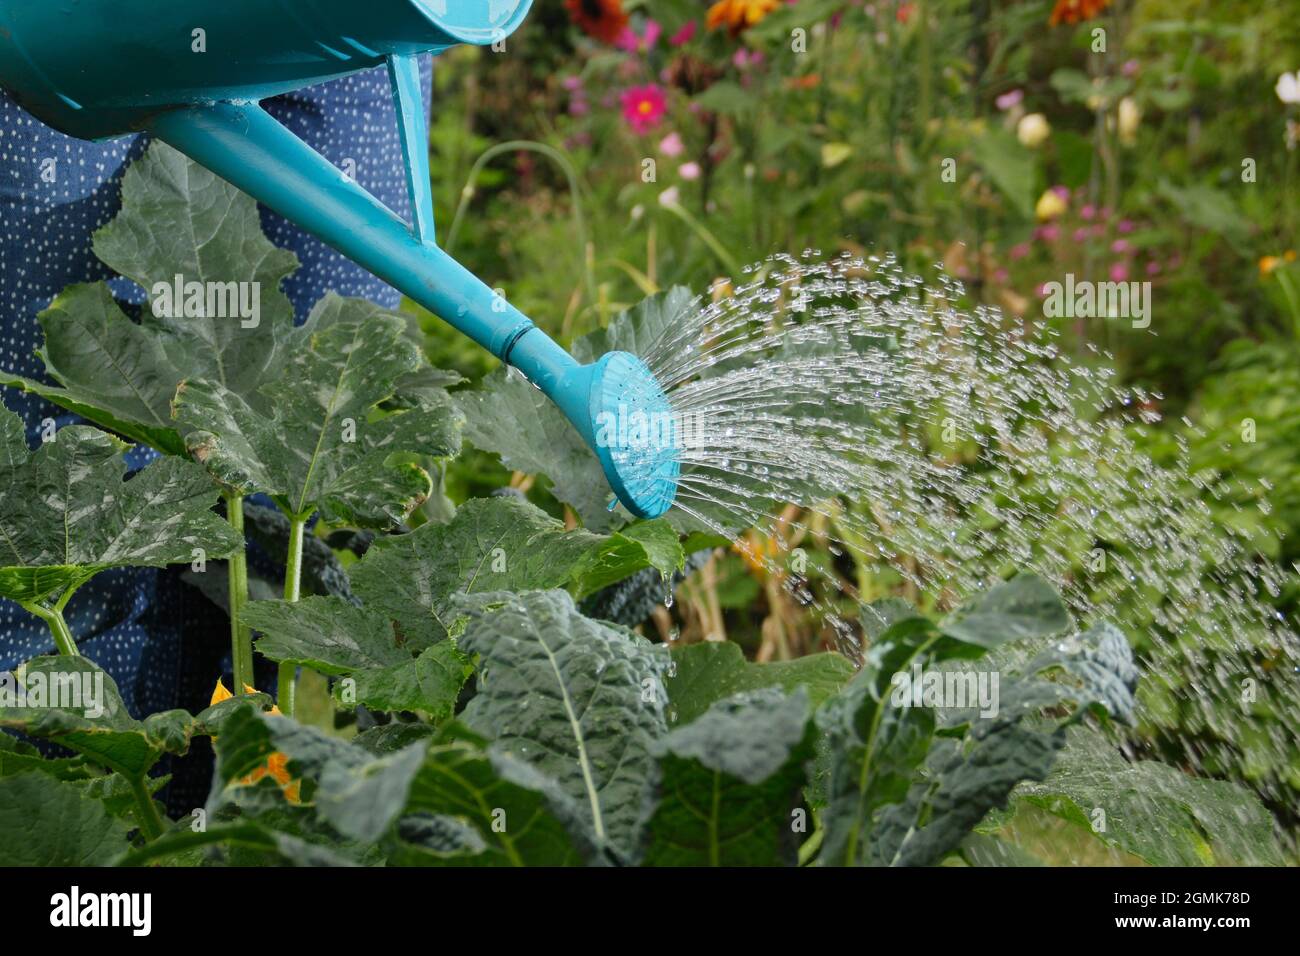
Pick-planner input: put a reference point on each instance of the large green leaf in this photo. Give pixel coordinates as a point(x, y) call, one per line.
point(334, 637)
point(497, 544)
point(68, 514)
point(515, 815)
point(177, 219)
point(640, 329)
point(730, 782)
point(876, 751)
point(968, 779)
point(72, 702)
point(1152, 810)
point(315, 440)
point(1024, 607)
point(897, 793)
point(705, 673)
point(581, 701)
point(506, 415)
point(48, 822)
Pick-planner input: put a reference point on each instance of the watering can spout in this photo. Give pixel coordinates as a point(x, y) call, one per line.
point(245, 145)
point(118, 66)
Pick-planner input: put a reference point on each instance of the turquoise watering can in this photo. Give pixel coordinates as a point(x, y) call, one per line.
point(192, 73)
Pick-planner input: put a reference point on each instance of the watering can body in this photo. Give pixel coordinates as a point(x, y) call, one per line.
point(95, 68)
point(192, 73)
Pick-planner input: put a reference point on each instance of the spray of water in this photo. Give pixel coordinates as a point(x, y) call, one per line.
point(932, 450)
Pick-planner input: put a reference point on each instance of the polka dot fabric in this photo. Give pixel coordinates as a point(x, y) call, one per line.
point(159, 639)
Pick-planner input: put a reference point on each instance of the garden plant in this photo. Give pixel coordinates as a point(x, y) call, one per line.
point(482, 660)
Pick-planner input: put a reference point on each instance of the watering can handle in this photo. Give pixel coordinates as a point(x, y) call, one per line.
point(413, 129)
point(244, 145)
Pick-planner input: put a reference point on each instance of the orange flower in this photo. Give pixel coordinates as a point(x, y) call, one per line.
point(277, 765)
point(1076, 11)
point(602, 19)
point(736, 15)
point(809, 81)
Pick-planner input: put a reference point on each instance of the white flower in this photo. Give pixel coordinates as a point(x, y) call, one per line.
point(1288, 87)
point(1033, 129)
point(669, 196)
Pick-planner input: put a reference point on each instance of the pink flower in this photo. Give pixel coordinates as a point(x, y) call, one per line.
point(1062, 191)
point(572, 83)
point(689, 171)
point(1048, 232)
point(744, 58)
point(629, 40)
point(1126, 226)
point(1153, 268)
point(1088, 211)
point(1080, 234)
point(1009, 99)
point(669, 196)
point(1120, 246)
point(1130, 68)
point(1001, 276)
point(683, 36)
point(1019, 251)
point(1119, 272)
point(578, 106)
point(644, 107)
point(671, 145)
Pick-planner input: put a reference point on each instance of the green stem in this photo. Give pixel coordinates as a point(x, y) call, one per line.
point(570, 173)
point(53, 617)
point(241, 638)
point(146, 811)
point(287, 690)
point(709, 239)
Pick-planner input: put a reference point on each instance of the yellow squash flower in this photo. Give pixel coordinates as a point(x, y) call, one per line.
point(277, 765)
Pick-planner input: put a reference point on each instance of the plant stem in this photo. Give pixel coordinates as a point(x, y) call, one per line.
point(241, 638)
point(146, 811)
point(562, 160)
point(53, 617)
point(287, 689)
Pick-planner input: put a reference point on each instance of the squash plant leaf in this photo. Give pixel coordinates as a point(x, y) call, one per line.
point(69, 515)
point(313, 439)
point(1024, 607)
point(49, 822)
point(498, 544)
point(711, 671)
point(730, 782)
point(337, 638)
point(580, 701)
point(179, 223)
point(508, 813)
point(909, 779)
point(1152, 810)
point(72, 702)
